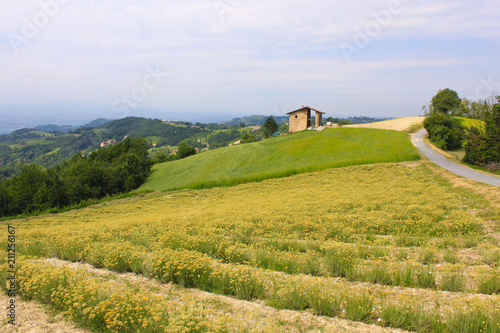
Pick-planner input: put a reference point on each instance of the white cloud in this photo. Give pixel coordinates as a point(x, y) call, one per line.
point(97, 49)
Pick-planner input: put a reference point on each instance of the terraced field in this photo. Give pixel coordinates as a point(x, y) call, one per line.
point(400, 245)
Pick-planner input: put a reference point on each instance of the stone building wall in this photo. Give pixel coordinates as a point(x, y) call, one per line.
point(298, 121)
point(319, 119)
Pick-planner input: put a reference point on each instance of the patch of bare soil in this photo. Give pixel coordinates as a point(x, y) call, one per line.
point(399, 124)
point(32, 318)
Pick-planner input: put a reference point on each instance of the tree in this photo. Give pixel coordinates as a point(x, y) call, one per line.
point(341, 122)
point(270, 126)
point(5, 201)
point(247, 138)
point(107, 171)
point(483, 145)
point(184, 151)
point(29, 190)
point(444, 131)
point(446, 101)
point(284, 128)
point(161, 157)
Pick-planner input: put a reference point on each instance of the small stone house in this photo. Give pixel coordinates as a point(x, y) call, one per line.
point(300, 119)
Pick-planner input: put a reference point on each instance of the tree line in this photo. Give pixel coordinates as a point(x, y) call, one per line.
point(115, 169)
point(482, 143)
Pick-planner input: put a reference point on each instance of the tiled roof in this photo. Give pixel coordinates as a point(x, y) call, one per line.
point(307, 107)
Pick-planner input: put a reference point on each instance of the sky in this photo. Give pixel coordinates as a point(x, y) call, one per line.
point(75, 60)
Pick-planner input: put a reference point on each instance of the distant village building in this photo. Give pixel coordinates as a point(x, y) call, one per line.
point(300, 119)
point(108, 143)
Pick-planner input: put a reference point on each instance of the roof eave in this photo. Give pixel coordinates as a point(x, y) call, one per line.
point(307, 107)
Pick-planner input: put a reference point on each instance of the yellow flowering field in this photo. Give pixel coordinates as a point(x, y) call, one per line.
point(105, 301)
point(389, 244)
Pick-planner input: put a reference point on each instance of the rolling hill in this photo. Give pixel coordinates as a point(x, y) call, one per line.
point(48, 146)
point(254, 120)
point(398, 124)
point(362, 248)
point(283, 156)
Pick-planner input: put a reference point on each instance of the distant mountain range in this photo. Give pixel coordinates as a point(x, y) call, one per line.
point(259, 120)
point(66, 128)
point(248, 120)
point(254, 120)
point(49, 145)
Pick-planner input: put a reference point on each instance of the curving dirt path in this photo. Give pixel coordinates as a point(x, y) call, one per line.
point(431, 154)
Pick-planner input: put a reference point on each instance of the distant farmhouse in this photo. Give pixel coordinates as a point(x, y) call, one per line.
point(300, 119)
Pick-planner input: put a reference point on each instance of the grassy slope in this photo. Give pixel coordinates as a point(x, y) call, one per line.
point(283, 156)
point(471, 122)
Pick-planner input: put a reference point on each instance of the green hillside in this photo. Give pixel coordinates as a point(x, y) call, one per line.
point(283, 156)
point(27, 146)
point(467, 122)
point(255, 120)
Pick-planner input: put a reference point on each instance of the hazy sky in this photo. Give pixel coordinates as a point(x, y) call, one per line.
point(116, 58)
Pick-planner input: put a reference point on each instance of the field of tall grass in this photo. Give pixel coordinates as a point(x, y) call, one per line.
point(283, 156)
point(393, 245)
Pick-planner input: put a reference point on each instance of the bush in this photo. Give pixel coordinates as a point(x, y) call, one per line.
point(108, 171)
point(483, 146)
point(184, 151)
point(444, 131)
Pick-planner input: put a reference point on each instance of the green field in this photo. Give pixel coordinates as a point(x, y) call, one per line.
point(466, 122)
point(398, 245)
point(401, 245)
point(283, 156)
point(40, 142)
point(54, 151)
point(241, 130)
point(153, 139)
point(41, 133)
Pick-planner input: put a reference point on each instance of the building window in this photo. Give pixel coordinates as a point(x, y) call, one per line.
point(296, 116)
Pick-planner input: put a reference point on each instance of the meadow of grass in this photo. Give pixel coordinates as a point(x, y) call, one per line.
point(466, 122)
point(387, 244)
point(39, 142)
point(283, 156)
point(153, 139)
